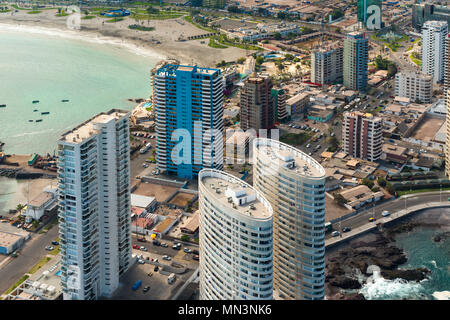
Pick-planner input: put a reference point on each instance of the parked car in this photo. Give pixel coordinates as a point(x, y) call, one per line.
point(140, 261)
point(187, 250)
point(165, 245)
point(335, 233)
point(371, 219)
point(346, 229)
point(55, 243)
point(49, 248)
point(166, 257)
point(143, 248)
point(156, 269)
point(150, 274)
point(141, 240)
point(385, 213)
point(135, 246)
point(195, 252)
point(156, 243)
point(146, 289)
point(196, 257)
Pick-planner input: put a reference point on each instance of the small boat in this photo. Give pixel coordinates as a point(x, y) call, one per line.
point(46, 112)
point(39, 120)
point(30, 120)
point(2, 105)
point(64, 100)
point(35, 110)
point(35, 101)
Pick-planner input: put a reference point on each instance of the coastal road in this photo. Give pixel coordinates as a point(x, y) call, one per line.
point(29, 255)
point(391, 206)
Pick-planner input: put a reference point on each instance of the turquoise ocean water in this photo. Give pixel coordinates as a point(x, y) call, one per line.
point(95, 76)
point(422, 252)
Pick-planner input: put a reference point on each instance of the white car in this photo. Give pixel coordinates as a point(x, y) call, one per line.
point(385, 213)
point(165, 245)
point(166, 257)
point(335, 233)
point(141, 261)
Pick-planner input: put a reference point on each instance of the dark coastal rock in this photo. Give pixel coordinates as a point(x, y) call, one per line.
point(348, 296)
point(345, 283)
point(441, 236)
point(408, 275)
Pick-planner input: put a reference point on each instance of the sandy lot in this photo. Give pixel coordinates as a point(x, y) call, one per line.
point(428, 128)
point(182, 198)
point(161, 193)
point(166, 33)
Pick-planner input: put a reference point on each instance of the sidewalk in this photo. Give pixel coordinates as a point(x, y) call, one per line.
point(373, 225)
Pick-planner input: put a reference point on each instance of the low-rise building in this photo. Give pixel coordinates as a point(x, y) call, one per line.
point(297, 104)
point(358, 196)
point(144, 202)
point(45, 201)
point(416, 86)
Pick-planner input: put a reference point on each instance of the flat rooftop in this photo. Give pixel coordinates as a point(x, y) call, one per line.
point(8, 239)
point(223, 186)
point(41, 199)
point(292, 159)
point(86, 129)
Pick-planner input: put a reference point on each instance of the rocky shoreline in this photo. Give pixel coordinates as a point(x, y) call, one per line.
point(343, 267)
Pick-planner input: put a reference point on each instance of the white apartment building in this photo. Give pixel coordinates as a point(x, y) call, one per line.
point(94, 205)
point(362, 135)
point(235, 226)
point(294, 184)
point(327, 64)
point(434, 34)
point(414, 85)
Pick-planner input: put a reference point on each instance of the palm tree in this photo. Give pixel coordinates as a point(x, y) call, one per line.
point(20, 207)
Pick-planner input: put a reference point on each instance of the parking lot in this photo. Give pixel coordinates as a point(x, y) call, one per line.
point(160, 289)
point(319, 132)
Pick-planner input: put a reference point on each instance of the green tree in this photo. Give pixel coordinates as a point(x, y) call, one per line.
point(368, 183)
point(339, 199)
point(381, 182)
point(185, 238)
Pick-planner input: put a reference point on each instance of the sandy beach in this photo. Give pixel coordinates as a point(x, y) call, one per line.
point(162, 41)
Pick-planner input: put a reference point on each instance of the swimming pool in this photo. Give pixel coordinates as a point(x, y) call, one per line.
point(58, 273)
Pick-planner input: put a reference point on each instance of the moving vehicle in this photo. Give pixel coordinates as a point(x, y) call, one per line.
point(136, 285)
point(171, 278)
point(146, 148)
point(385, 213)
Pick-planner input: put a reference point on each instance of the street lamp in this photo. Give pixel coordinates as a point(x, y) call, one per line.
point(440, 193)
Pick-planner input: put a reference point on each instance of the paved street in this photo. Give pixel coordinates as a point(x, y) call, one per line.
point(391, 206)
point(30, 254)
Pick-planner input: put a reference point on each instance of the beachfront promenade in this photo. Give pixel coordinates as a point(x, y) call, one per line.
point(369, 226)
